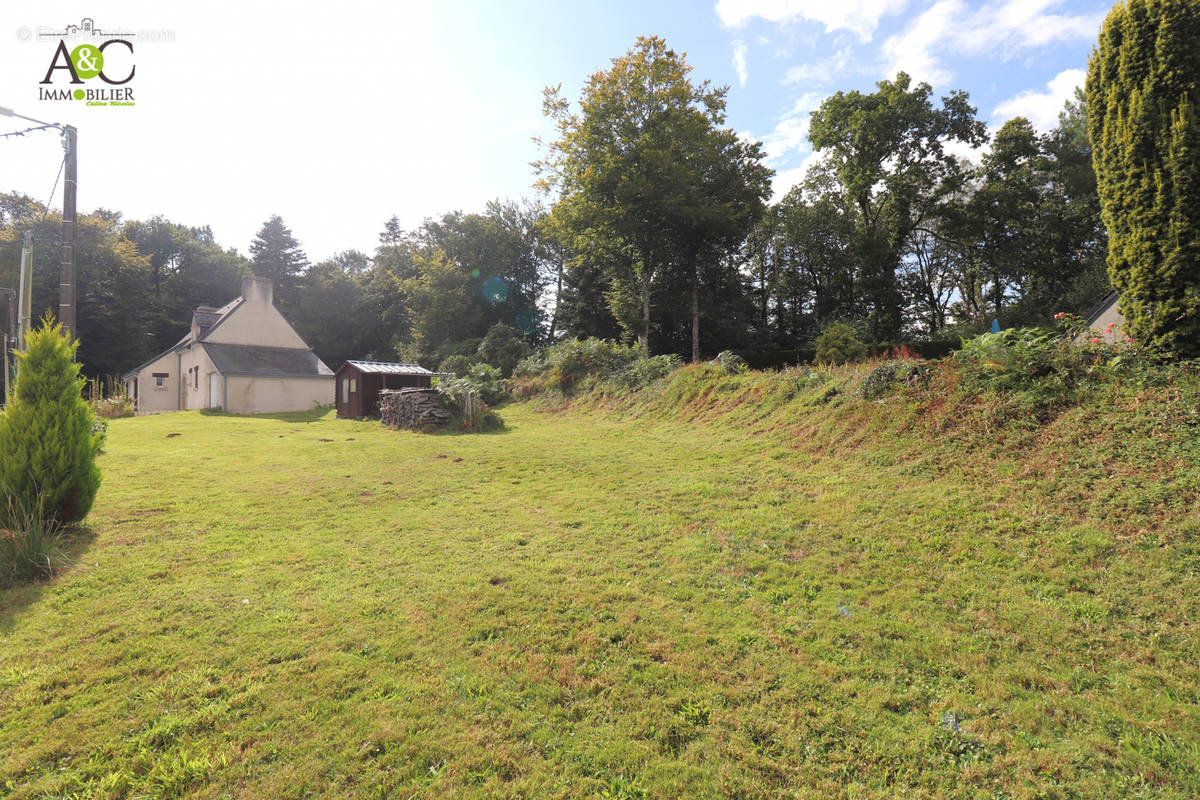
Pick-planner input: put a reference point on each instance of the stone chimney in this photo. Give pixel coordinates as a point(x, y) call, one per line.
point(203, 318)
point(258, 290)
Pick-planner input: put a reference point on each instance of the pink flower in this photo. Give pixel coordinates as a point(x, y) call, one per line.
point(1060, 315)
point(1095, 341)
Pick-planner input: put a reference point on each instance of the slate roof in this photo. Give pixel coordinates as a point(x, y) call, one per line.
point(177, 346)
point(1101, 307)
point(243, 360)
point(389, 368)
point(250, 360)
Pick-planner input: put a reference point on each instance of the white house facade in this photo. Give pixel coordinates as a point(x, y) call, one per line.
point(243, 357)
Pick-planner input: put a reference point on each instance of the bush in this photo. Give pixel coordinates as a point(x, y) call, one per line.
point(455, 393)
point(566, 366)
point(114, 407)
point(838, 344)
point(884, 378)
point(485, 381)
point(47, 447)
point(458, 364)
point(503, 348)
point(1014, 359)
point(645, 371)
point(29, 543)
point(731, 362)
point(878, 382)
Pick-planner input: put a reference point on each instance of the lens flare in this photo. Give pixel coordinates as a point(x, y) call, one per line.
point(494, 290)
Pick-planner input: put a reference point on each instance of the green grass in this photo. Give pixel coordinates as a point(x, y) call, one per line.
point(745, 590)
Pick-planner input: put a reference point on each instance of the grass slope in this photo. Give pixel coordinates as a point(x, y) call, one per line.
point(739, 591)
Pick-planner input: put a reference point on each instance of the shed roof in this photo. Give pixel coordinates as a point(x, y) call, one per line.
point(389, 368)
point(265, 362)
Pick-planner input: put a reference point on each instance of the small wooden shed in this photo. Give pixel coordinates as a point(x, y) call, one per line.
point(360, 382)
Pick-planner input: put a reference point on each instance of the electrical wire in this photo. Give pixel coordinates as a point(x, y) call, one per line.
point(27, 130)
point(54, 188)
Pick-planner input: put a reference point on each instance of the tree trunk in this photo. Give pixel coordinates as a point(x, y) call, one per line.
point(557, 300)
point(695, 307)
point(644, 281)
point(644, 333)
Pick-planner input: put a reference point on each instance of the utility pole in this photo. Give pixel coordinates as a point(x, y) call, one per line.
point(66, 286)
point(9, 339)
point(25, 292)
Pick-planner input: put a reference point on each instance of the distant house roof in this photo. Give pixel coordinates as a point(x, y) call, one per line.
point(389, 368)
point(250, 360)
point(1101, 307)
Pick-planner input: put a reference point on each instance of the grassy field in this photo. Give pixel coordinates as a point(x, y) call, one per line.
point(739, 599)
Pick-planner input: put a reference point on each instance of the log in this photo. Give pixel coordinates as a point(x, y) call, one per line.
point(413, 409)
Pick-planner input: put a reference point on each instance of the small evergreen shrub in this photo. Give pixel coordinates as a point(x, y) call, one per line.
point(47, 444)
point(838, 344)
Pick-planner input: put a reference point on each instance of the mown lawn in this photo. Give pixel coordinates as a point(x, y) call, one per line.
point(585, 605)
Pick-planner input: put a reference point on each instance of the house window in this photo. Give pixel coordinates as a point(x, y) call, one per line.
point(353, 385)
point(345, 390)
point(160, 379)
point(196, 377)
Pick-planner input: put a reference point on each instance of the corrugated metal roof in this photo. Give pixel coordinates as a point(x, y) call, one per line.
point(389, 368)
point(265, 362)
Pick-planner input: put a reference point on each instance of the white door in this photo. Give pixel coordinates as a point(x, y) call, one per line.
point(214, 397)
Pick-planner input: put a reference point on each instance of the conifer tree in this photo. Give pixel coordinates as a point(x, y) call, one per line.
point(1143, 87)
point(47, 448)
point(276, 254)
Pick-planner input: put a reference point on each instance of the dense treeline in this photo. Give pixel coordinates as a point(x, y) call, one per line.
point(657, 231)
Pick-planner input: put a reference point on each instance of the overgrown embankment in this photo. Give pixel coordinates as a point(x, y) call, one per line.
point(1118, 442)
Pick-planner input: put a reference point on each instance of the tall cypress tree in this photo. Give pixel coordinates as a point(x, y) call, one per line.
point(1143, 86)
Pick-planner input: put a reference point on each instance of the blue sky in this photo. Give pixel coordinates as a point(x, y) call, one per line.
point(338, 116)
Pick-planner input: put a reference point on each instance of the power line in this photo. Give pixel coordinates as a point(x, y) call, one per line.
point(10, 134)
point(54, 188)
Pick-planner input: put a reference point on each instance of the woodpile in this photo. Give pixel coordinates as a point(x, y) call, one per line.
point(412, 408)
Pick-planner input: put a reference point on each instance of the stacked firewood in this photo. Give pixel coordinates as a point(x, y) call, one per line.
point(412, 408)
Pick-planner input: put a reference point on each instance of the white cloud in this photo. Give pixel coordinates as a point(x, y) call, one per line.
point(1023, 24)
point(860, 17)
point(822, 71)
point(912, 50)
point(1042, 107)
point(739, 62)
point(1001, 29)
point(965, 152)
point(786, 179)
point(790, 137)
